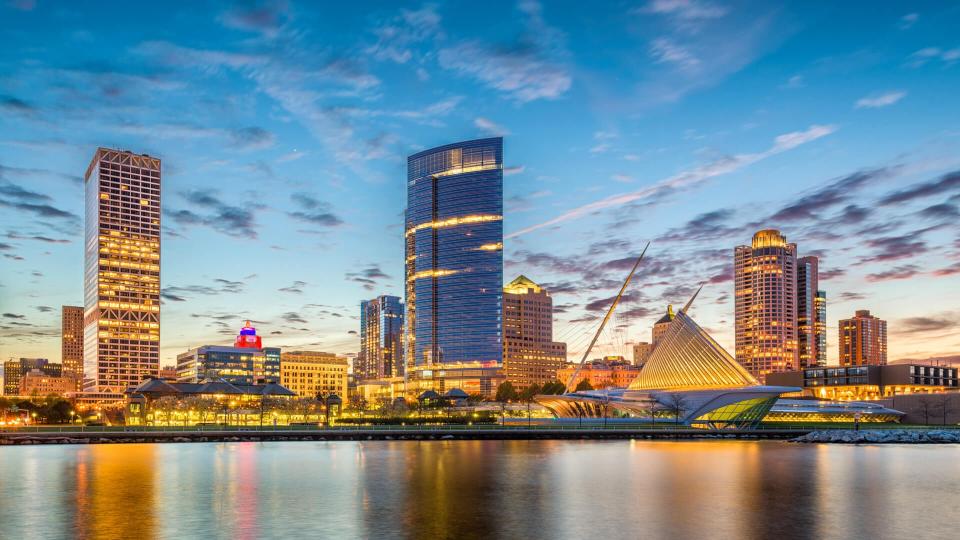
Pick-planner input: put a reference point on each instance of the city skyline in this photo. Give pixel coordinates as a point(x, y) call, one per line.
point(288, 181)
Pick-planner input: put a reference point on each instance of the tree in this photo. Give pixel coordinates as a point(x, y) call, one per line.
point(529, 392)
point(583, 385)
point(553, 388)
point(675, 404)
point(506, 392)
point(926, 406)
point(946, 406)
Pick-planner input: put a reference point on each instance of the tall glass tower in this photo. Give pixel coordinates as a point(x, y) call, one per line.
point(381, 339)
point(454, 264)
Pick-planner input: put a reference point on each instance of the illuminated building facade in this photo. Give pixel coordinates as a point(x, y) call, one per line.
point(690, 378)
point(381, 339)
point(15, 370)
point(37, 382)
point(313, 373)
point(661, 326)
point(811, 314)
point(871, 382)
point(863, 340)
point(601, 374)
point(247, 364)
point(71, 343)
point(530, 356)
point(454, 262)
point(765, 290)
point(121, 337)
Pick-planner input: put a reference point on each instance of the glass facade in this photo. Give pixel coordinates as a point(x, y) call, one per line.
point(454, 255)
point(235, 365)
point(381, 339)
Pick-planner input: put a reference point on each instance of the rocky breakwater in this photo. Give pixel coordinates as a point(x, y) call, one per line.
point(885, 436)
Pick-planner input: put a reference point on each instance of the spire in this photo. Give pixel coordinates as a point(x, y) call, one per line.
point(692, 298)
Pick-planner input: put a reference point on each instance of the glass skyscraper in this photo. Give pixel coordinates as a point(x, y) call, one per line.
point(454, 262)
point(381, 339)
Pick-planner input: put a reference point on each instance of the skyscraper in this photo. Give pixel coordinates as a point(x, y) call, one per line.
point(71, 343)
point(811, 314)
point(121, 338)
point(381, 339)
point(863, 340)
point(530, 356)
point(454, 263)
point(765, 298)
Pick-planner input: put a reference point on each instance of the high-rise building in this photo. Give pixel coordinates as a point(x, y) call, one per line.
point(121, 337)
point(765, 299)
point(821, 327)
point(311, 373)
point(811, 314)
point(71, 343)
point(863, 340)
point(381, 339)
point(454, 264)
point(530, 356)
point(660, 327)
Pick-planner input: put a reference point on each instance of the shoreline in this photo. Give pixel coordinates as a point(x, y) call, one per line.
point(439, 434)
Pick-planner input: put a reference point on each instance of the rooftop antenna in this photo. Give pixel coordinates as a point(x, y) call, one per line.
point(613, 306)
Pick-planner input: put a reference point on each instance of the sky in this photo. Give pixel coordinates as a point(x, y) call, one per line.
point(284, 129)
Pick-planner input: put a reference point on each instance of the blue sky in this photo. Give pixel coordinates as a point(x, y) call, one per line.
point(284, 127)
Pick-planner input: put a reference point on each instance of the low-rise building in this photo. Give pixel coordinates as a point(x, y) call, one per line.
point(36, 382)
point(313, 373)
point(14, 370)
point(601, 374)
point(845, 383)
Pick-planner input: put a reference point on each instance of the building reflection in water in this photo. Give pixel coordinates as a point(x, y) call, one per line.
point(478, 489)
point(114, 491)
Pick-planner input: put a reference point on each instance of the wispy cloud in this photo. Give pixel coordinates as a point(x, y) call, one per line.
point(690, 178)
point(880, 100)
point(526, 71)
point(490, 127)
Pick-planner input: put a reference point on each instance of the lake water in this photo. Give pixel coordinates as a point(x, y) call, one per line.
point(480, 489)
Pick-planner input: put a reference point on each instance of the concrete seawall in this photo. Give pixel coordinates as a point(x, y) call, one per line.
point(88, 437)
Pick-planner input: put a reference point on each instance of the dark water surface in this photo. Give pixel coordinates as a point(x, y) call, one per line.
point(480, 489)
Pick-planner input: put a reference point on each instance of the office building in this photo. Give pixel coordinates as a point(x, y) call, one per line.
point(600, 374)
point(454, 266)
point(660, 327)
point(247, 364)
point(530, 356)
point(811, 314)
point(121, 337)
point(641, 351)
point(15, 370)
point(870, 382)
point(37, 382)
point(863, 340)
point(381, 339)
point(71, 343)
point(765, 300)
point(312, 373)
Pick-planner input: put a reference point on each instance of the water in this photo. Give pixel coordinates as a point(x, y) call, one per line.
point(480, 489)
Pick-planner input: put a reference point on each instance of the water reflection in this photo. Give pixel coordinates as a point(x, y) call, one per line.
point(479, 489)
